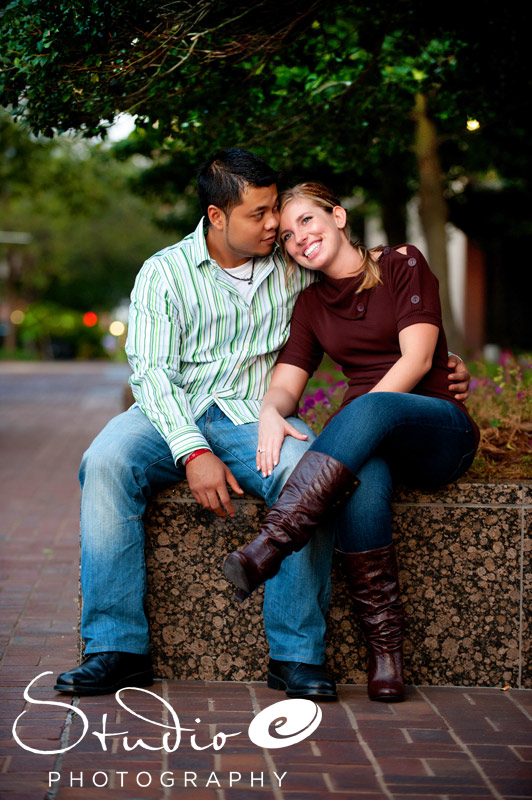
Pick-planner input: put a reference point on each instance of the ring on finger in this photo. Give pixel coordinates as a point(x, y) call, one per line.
point(260, 451)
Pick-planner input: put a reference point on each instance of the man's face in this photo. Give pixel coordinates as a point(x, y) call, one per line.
point(251, 227)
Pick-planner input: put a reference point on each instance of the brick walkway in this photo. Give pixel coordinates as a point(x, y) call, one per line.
point(442, 743)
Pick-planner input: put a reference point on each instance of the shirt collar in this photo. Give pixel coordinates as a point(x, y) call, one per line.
point(202, 255)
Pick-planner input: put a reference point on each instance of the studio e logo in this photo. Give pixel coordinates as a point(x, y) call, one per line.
point(279, 725)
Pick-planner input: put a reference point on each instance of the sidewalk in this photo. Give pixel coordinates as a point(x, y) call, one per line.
point(442, 743)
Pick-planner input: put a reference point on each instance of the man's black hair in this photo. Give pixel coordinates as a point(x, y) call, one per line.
point(225, 175)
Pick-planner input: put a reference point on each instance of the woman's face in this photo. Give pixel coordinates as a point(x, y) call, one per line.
point(313, 237)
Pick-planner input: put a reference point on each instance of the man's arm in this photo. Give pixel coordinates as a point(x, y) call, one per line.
point(153, 348)
point(459, 377)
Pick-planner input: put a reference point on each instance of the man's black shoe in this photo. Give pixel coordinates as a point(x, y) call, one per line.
point(105, 673)
point(301, 680)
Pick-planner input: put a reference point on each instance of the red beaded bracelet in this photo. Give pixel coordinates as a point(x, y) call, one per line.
point(197, 453)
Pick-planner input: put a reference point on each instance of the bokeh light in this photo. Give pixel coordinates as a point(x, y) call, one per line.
point(117, 328)
point(90, 319)
point(17, 316)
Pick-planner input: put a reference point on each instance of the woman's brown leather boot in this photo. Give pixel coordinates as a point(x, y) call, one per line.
point(316, 486)
point(373, 583)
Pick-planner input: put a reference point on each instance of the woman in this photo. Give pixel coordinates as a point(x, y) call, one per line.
point(378, 315)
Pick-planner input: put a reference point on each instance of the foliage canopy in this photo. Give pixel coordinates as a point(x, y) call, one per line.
point(323, 87)
point(315, 83)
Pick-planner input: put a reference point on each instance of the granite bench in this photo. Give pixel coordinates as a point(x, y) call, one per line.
point(464, 555)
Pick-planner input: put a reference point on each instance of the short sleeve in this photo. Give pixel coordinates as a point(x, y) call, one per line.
point(414, 288)
point(302, 348)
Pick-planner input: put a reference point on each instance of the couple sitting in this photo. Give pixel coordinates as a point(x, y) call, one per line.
point(210, 318)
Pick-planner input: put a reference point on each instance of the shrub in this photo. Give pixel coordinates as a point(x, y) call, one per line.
point(501, 403)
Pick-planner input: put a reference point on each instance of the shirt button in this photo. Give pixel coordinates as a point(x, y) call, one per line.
point(412, 262)
point(414, 298)
point(386, 251)
point(360, 307)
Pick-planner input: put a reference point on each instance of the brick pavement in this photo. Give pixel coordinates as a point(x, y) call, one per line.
point(442, 743)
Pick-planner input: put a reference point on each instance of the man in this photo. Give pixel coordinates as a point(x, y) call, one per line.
point(207, 319)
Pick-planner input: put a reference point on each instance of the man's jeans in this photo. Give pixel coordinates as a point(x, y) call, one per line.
point(416, 440)
point(129, 461)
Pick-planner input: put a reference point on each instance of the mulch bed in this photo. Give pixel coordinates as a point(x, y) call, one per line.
point(504, 453)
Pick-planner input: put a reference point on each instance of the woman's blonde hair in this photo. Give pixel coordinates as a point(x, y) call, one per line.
point(323, 197)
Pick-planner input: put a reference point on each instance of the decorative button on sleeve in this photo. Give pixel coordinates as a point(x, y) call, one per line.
point(415, 298)
point(412, 262)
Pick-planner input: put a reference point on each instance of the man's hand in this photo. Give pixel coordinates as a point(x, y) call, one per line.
point(208, 476)
point(459, 377)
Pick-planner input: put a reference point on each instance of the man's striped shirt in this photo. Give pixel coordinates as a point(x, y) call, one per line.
point(194, 341)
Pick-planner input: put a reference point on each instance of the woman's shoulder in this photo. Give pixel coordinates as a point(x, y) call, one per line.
point(404, 259)
point(398, 253)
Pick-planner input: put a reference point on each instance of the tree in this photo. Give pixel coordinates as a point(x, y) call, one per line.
point(88, 232)
point(374, 95)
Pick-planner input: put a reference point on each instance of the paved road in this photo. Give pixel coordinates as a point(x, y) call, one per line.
point(49, 413)
point(442, 743)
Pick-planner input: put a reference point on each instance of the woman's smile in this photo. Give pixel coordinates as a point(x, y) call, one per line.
point(312, 250)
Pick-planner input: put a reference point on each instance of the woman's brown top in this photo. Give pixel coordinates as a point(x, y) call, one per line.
point(361, 331)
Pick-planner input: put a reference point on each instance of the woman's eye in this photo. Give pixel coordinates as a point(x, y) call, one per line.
point(286, 237)
point(305, 220)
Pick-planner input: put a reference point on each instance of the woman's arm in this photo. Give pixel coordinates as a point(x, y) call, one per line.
point(417, 343)
point(280, 401)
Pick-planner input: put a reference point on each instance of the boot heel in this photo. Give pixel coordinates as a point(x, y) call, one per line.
point(235, 572)
point(241, 595)
point(275, 683)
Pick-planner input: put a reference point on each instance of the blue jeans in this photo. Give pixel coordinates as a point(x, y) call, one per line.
point(385, 437)
point(125, 464)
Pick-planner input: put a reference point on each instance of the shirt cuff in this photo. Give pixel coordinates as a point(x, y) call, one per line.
point(185, 440)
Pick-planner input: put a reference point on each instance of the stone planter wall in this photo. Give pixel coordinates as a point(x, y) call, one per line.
point(465, 567)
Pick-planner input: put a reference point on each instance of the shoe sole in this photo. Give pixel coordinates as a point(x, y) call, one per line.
point(135, 681)
point(235, 573)
point(390, 698)
point(279, 684)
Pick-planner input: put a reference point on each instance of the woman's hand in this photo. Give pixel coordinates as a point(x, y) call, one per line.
point(280, 401)
point(273, 427)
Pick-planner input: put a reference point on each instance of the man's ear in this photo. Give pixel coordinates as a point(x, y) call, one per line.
point(216, 217)
point(340, 216)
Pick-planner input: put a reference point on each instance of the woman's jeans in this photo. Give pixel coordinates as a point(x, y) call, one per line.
point(125, 464)
point(386, 437)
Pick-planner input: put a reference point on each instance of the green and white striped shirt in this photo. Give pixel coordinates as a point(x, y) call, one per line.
point(194, 341)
